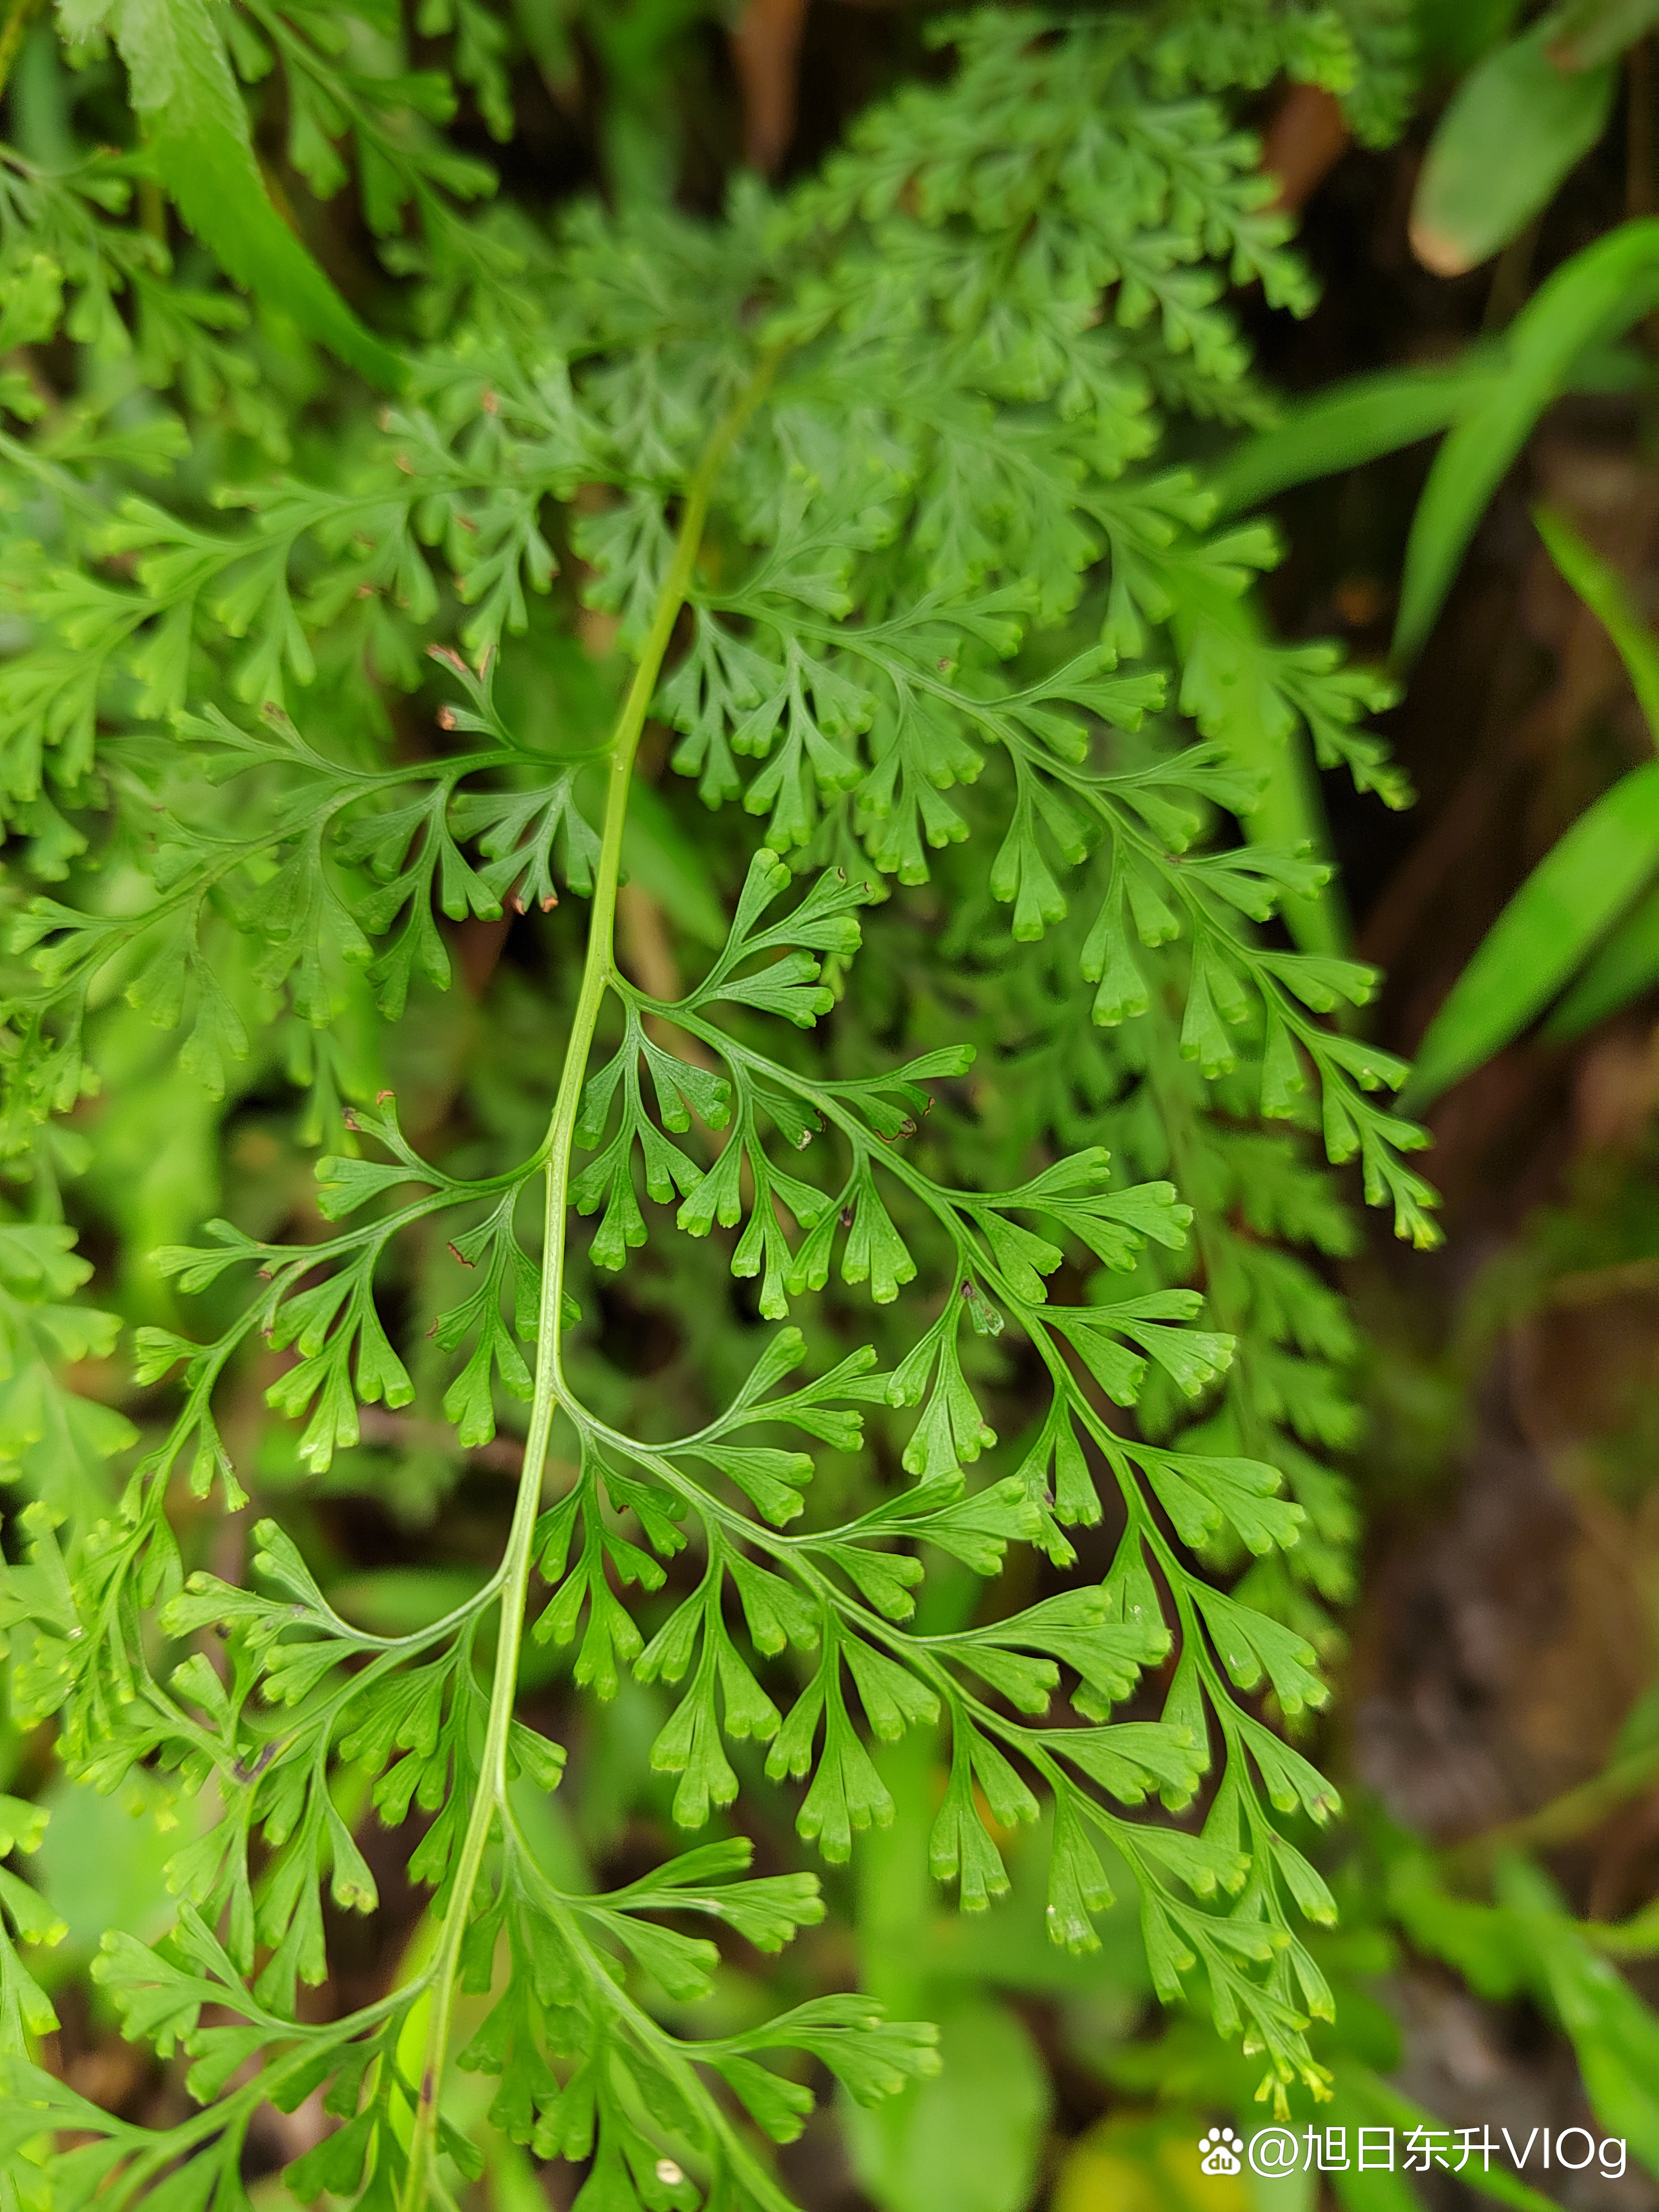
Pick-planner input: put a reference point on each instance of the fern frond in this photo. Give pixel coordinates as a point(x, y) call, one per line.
point(862, 491)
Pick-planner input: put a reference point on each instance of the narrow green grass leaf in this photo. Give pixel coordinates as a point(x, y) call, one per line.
point(197, 128)
point(1604, 594)
point(1571, 897)
point(1365, 417)
point(1351, 423)
point(1622, 969)
point(1628, 962)
point(1599, 293)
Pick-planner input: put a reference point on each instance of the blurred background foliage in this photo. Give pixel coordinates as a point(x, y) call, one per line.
point(1497, 1725)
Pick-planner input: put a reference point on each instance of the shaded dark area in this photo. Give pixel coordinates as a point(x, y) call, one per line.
point(1503, 1641)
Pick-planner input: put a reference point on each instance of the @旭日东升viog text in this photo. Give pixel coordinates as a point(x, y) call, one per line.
point(1422, 2149)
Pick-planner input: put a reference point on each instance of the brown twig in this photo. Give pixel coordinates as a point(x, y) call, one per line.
point(1638, 129)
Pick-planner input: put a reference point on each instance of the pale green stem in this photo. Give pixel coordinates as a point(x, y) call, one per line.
point(515, 1578)
point(1290, 810)
point(1177, 1113)
point(16, 23)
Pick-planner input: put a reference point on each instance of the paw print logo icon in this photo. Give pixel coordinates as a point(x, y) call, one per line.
point(1217, 2152)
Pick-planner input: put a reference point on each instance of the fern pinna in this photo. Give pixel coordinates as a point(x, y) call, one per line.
point(864, 486)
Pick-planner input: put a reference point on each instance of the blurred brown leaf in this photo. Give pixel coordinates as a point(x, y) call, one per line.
point(766, 52)
point(1305, 141)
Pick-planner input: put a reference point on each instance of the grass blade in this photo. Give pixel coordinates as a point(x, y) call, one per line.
point(1627, 964)
point(1603, 593)
point(1365, 417)
point(1599, 293)
point(1353, 422)
point(197, 128)
point(1621, 970)
point(1568, 903)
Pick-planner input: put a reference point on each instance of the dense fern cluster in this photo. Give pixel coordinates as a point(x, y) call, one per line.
point(860, 493)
